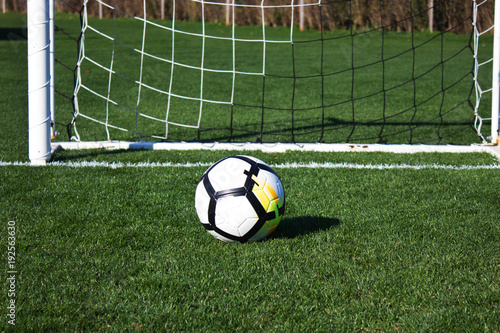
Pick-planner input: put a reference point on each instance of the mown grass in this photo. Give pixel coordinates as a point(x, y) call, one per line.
point(102, 248)
point(121, 249)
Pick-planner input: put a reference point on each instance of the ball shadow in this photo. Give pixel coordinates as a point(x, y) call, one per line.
point(303, 225)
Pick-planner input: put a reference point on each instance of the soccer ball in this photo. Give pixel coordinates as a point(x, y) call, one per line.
point(239, 199)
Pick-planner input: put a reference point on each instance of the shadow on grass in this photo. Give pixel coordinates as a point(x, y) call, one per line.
point(86, 154)
point(13, 34)
point(303, 225)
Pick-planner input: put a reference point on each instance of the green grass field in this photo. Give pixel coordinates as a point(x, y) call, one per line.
point(119, 248)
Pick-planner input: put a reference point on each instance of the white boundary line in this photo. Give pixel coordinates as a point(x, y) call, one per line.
point(293, 165)
point(271, 147)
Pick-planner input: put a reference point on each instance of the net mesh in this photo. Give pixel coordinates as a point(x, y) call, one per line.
point(265, 77)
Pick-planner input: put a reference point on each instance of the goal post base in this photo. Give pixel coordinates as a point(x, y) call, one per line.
point(277, 147)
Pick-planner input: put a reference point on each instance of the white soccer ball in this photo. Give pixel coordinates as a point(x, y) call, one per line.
point(239, 199)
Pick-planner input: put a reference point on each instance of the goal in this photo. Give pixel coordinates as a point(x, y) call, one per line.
point(262, 73)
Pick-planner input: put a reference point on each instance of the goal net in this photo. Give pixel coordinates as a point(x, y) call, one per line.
point(373, 71)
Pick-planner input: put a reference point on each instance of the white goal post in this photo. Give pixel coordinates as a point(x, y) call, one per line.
point(40, 14)
point(39, 80)
point(496, 78)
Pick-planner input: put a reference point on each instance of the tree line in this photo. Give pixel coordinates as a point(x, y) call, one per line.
point(399, 15)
